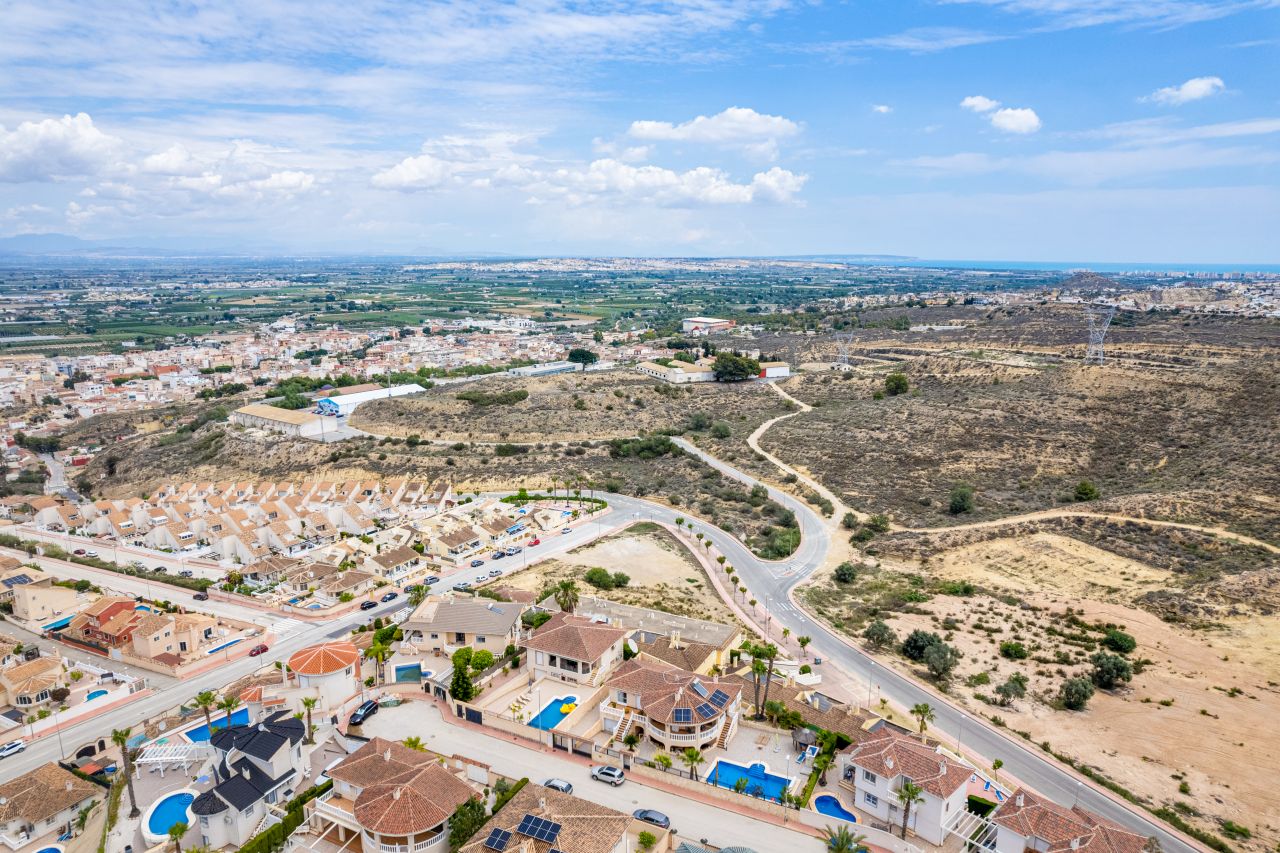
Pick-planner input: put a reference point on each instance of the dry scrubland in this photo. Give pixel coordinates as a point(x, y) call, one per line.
point(661, 574)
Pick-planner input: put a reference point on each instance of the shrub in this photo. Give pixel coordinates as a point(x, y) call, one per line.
point(879, 635)
point(1075, 693)
point(961, 499)
point(917, 642)
point(846, 572)
point(493, 398)
point(1119, 641)
point(1086, 491)
point(895, 384)
point(1014, 688)
point(1013, 650)
point(941, 660)
point(720, 429)
point(1110, 670)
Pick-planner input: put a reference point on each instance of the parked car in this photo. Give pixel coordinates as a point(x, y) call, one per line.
point(390, 596)
point(200, 596)
point(650, 816)
point(259, 649)
point(366, 710)
point(80, 552)
point(495, 573)
point(558, 785)
point(481, 578)
point(368, 605)
point(534, 542)
point(160, 570)
point(186, 573)
point(513, 550)
point(431, 579)
point(461, 586)
point(475, 564)
point(498, 555)
point(13, 747)
point(613, 775)
point(566, 530)
point(91, 553)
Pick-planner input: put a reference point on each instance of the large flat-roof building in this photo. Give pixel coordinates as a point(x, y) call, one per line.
point(344, 404)
point(705, 325)
point(299, 423)
point(547, 368)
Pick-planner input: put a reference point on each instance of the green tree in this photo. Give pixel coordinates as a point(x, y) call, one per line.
point(909, 794)
point(691, 758)
point(961, 499)
point(566, 595)
point(585, 357)
point(120, 737)
point(803, 642)
point(418, 594)
point(879, 635)
point(758, 670)
point(415, 743)
point(846, 572)
point(1086, 491)
point(1014, 688)
point(1119, 641)
point(228, 704)
point(941, 660)
point(895, 384)
point(466, 821)
point(822, 763)
point(461, 687)
point(770, 653)
point(917, 642)
point(841, 840)
point(1110, 670)
point(663, 761)
point(378, 652)
point(206, 700)
point(731, 367)
point(482, 660)
point(646, 840)
point(1075, 693)
point(923, 712)
point(995, 770)
point(176, 832)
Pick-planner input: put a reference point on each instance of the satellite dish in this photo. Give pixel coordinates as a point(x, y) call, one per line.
point(631, 645)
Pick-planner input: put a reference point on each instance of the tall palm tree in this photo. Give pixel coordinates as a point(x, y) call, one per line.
point(176, 832)
point(418, 594)
point(309, 704)
point(771, 654)
point(995, 770)
point(566, 596)
point(923, 712)
point(228, 704)
point(205, 700)
point(908, 794)
point(379, 652)
point(841, 840)
point(822, 763)
point(758, 669)
point(120, 737)
point(691, 758)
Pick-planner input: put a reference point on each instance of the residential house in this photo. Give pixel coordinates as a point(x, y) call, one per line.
point(395, 564)
point(539, 820)
point(328, 671)
point(43, 804)
point(458, 544)
point(179, 634)
point(571, 648)
point(1029, 822)
point(26, 684)
point(40, 600)
point(254, 766)
point(107, 623)
point(450, 622)
point(672, 707)
point(385, 796)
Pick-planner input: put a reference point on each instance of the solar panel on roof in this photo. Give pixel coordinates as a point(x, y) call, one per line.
point(16, 580)
point(498, 839)
point(699, 689)
point(705, 711)
point(539, 828)
point(719, 698)
point(683, 715)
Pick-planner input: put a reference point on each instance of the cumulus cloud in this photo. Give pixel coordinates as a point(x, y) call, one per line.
point(1022, 120)
point(1009, 119)
point(53, 149)
point(882, 109)
point(703, 185)
point(757, 133)
point(979, 103)
point(175, 160)
point(1194, 89)
point(423, 172)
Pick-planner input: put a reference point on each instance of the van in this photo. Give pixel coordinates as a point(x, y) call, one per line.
point(13, 747)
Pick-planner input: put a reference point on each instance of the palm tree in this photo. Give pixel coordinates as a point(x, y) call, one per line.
point(691, 758)
point(176, 832)
point(841, 840)
point(924, 713)
point(786, 632)
point(771, 653)
point(908, 794)
point(566, 596)
point(758, 669)
point(205, 700)
point(663, 761)
point(774, 710)
point(228, 704)
point(418, 594)
point(415, 743)
point(740, 784)
point(120, 737)
point(308, 704)
point(822, 764)
point(995, 770)
point(379, 652)
point(631, 741)
point(803, 643)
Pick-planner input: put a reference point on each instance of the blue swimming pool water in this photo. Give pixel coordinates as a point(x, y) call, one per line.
point(94, 694)
point(760, 782)
point(224, 646)
point(201, 732)
point(169, 811)
point(830, 806)
point(550, 716)
point(49, 850)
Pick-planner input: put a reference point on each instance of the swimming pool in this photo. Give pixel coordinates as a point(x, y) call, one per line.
point(411, 673)
point(759, 781)
point(200, 733)
point(54, 849)
point(551, 715)
point(830, 806)
point(224, 646)
point(94, 694)
point(165, 813)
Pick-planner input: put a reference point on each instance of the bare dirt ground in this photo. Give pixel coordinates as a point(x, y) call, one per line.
point(663, 575)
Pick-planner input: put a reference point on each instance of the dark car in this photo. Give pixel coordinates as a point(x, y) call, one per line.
point(160, 570)
point(461, 586)
point(259, 649)
point(650, 816)
point(390, 596)
point(368, 605)
point(498, 555)
point(475, 564)
point(201, 596)
point(366, 710)
point(558, 785)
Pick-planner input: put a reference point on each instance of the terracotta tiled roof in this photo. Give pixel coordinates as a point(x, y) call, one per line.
point(585, 827)
point(42, 794)
point(888, 752)
point(323, 658)
point(1030, 815)
point(32, 677)
point(574, 637)
point(402, 791)
point(661, 688)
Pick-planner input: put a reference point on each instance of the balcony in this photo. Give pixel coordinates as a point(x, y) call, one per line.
point(337, 809)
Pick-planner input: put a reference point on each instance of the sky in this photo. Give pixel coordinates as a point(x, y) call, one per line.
point(1054, 130)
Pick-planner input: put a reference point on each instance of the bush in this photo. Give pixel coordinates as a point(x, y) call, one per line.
point(1013, 650)
point(1110, 670)
point(1075, 693)
point(1086, 491)
point(493, 398)
point(1119, 641)
point(961, 499)
point(649, 447)
point(846, 572)
point(895, 384)
point(720, 429)
point(482, 660)
point(879, 635)
point(941, 660)
point(917, 643)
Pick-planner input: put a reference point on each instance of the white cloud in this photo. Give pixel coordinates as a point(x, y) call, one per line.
point(758, 133)
point(55, 148)
point(882, 109)
point(423, 172)
point(610, 180)
point(979, 103)
point(924, 40)
point(1070, 14)
point(1022, 120)
point(175, 160)
point(1193, 90)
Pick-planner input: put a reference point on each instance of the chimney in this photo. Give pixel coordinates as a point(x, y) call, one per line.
point(386, 756)
point(542, 805)
point(1019, 801)
point(942, 767)
point(1075, 844)
point(69, 785)
point(675, 640)
point(395, 795)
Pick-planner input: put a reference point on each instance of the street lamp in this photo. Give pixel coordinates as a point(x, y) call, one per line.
point(960, 737)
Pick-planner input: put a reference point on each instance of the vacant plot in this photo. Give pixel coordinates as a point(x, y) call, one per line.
point(569, 407)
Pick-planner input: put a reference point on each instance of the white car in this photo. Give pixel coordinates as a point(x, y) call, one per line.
point(13, 747)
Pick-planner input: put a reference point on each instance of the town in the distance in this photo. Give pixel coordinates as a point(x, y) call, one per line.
point(613, 555)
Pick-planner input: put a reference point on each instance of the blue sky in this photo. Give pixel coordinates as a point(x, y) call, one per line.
point(1103, 130)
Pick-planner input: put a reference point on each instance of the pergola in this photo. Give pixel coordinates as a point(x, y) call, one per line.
point(173, 754)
